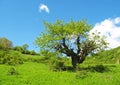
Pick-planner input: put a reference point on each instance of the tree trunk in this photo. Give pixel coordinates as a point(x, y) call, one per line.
point(81, 59)
point(74, 61)
point(77, 60)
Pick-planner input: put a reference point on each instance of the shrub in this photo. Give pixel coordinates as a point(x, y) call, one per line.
point(98, 68)
point(57, 65)
point(32, 52)
point(26, 52)
point(12, 71)
point(18, 48)
point(2, 54)
point(11, 58)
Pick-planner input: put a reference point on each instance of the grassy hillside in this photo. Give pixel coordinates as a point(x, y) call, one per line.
point(105, 57)
point(31, 73)
point(35, 70)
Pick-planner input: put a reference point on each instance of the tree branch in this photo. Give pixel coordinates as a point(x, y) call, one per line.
point(78, 45)
point(66, 50)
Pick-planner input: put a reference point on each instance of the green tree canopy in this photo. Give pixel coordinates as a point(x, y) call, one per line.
point(5, 43)
point(71, 38)
point(25, 46)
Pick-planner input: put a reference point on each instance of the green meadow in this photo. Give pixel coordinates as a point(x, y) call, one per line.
point(36, 73)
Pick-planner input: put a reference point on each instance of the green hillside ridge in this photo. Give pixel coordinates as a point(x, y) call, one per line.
point(106, 57)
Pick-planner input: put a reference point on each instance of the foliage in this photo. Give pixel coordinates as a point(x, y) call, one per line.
point(47, 53)
point(24, 49)
point(18, 48)
point(98, 68)
point(12, 71)
point(33, 52)
point(32, 58)
point(57, 64)
point(10, 57)
point(111, 56)
point(5, 43)
point(71, 39)
point(25, 46)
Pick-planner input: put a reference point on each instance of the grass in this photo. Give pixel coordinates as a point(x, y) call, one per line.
point(106, 57)
point(100, 69)
point(31, 73)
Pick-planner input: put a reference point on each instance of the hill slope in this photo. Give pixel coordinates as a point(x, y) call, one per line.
point(106, 57)
point(34, 72)
point(31, 73)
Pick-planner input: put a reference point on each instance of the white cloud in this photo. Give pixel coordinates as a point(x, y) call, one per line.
point(44, 7)
point(111, 29)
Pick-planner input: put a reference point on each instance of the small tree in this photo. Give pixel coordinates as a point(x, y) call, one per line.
point(71, 39)
point(18, 48)
point(25, 47)
point(5, 43)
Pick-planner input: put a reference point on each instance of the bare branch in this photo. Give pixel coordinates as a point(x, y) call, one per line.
point(66, 49)
point(78, 45)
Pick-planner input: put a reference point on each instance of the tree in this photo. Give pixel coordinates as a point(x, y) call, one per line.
point(71, 38)
point(32, 52)
point(18, 48)
point(23, 49)
point(25, 46)
point(5, 43)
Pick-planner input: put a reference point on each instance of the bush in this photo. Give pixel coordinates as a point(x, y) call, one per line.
point(12, 71)
point(98, 68)
point(26, 52)
point(2, 54)
point(18, 48)
point(23, 49)
point(11, 58)
point(32, 52)
point(57, 64)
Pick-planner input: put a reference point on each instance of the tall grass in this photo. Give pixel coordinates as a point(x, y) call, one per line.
point(31, 73)
point(36, 71)
point(105, 57)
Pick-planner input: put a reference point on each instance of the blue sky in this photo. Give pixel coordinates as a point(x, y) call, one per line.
point(21, 20)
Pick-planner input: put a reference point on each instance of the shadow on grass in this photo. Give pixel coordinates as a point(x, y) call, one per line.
point(84, 72)
point(97, 68)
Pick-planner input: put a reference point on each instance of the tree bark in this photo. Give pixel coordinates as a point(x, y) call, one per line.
point(77, 60)
point(74, 61)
